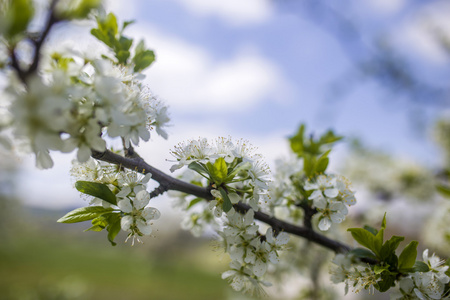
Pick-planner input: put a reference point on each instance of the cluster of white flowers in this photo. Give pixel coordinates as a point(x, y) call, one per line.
point(75, 100)
point(203, 151)
point(425, 285)
point(130, 190)
point(250, 253)
point(255, 174)
point(357, 276)
point(331, 195)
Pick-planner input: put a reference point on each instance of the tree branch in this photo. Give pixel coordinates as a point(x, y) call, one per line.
point(167, 182)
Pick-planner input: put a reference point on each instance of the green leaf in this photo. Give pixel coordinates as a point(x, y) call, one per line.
point(240, 167)
point(113, 227)
point(107, 31)
point(122, 56)
point(142, 60)
point(309, 162)
point(218, 171)
point(227, 205)
point(108, 24)
point(364, 238)
point(383, 222)
point(387, 281)
point(329, 138)
point(408, 256)
point(371, 229)
point(377, 269)
point(379, 237)
point(82, 10)
point(194, 201)
point(17, 16)
point(390, 246)
point(443, 190)
point(297, 141)
point(199, 168)
point(363, 253)
point(84, 214)
point(126, 24)
point(322, 164)
point(420, 266)
point(96, 189)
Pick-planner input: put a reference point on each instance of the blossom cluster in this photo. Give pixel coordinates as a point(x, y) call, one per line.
point(76, 100)
point(416, 285)
point(331, 195)
point(130, 189)
point(425, 285)
point(357, 276)
point(245, 179)
point(251, 170)
point(250, 253)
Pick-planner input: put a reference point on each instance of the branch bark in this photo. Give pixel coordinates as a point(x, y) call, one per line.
point(167, 182)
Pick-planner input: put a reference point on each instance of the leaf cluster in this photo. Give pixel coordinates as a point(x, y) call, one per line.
point(99, 216)
point(108, 32)
point(313, 151)
point(387, 264)
point(220, 173)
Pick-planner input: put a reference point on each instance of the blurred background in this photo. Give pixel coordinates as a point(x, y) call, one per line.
point(374, 71)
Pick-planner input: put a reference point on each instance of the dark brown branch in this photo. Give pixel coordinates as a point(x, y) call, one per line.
point(52, 20)
point(167, 182)
point(38, 43)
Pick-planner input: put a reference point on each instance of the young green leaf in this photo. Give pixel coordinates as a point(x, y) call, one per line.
point(84, 214)
point(240, 167)
point(390, 246)
point(371, 229)
point(420, 266)
point(387, 281)
point(113, 227)
point(363, 253)
point(297, 141)
point(227, 205)
point(218, 171)
point(194, 201)
point(408, 256)
point(443, 190)
point(17, 16)
point(364, 238)
point(96, 189)
point(200, 169)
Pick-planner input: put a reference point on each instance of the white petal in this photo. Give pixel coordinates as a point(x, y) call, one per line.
point(143, 227)
point(83, 153)
point(234, 198)
point(320, 202)
point(273, 257)
point(282, 238)
point(259, 268)
point(151, 213)
point(142, 199)
point(126, 222)
point(324, 224)
point(248, 218)
point(43, 160)
point(125, 205)
point(331, 193)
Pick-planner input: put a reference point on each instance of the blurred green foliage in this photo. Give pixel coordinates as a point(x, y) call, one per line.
point(46, 264)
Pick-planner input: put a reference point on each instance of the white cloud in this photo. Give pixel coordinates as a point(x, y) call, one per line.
point(233, 12)
point(387, 6)
point(189, 77)
point(421, 32)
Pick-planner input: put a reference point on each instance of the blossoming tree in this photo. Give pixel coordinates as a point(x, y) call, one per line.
point(74, 101)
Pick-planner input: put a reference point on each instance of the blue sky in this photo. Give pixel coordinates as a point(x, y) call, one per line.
point(256, 69)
